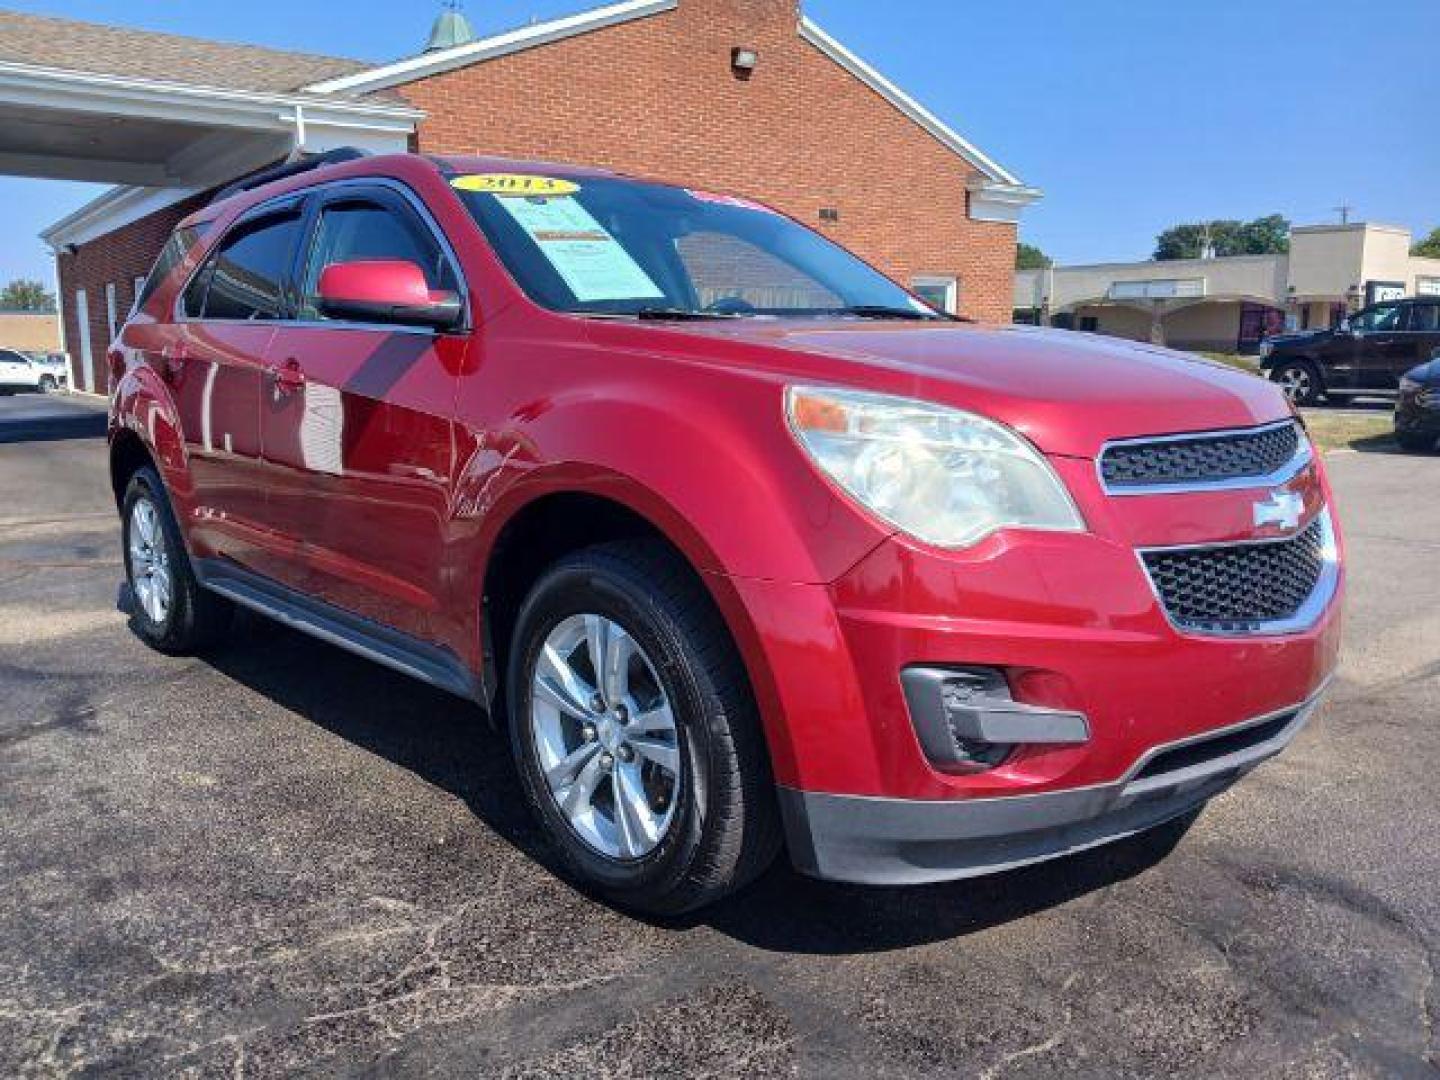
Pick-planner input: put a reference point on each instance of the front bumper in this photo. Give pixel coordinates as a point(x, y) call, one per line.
point(882, 841)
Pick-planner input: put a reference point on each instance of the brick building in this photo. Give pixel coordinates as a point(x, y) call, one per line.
point(748, 96)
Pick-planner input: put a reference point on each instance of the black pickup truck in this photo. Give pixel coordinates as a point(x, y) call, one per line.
point(1366, 354)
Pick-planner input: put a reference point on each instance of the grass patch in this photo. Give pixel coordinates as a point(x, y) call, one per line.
point(1348, 431)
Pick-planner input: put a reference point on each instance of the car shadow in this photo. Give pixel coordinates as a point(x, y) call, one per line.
point(1378, 444)
point(49, 418)
point(451, 744)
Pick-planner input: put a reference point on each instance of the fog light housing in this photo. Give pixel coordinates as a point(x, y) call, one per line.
point(967, 721)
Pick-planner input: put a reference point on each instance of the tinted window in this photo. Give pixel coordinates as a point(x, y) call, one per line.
point(1425, 317)
point(180, 244)
point(362, 230)
point(8, 357)
point(1380, 317)
point(249, 271)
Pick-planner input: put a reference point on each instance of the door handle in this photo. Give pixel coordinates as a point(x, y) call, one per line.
point(289, 377)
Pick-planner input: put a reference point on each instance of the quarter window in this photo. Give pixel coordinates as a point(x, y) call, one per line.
point(180, 244)
point(362, 230)
point(247, 277)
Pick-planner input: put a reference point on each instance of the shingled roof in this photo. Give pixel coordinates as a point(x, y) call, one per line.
point(143, 54)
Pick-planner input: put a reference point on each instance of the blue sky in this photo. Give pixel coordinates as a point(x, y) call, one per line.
point(1131, 115)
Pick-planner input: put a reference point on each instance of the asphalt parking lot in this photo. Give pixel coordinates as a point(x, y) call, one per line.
point(285, 859)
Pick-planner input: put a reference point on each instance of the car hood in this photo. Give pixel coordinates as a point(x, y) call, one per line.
point(1068, 392)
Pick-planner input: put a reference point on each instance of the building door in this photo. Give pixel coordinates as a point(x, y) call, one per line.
point(1257, 322)
point(82, 327)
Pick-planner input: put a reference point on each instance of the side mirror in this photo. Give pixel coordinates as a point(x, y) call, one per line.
point(385, 291)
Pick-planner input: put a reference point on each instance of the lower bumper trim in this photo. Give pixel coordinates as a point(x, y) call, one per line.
point(881, 841)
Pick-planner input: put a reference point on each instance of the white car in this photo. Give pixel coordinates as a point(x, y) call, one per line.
point(44, 372)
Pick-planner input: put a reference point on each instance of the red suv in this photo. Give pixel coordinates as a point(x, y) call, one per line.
point(743, 544)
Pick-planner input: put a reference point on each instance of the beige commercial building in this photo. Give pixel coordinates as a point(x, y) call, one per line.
point(30, 331)
point(1229, 304)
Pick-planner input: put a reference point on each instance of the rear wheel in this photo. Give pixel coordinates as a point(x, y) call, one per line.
point(172, 613)
point(1414, 442)
point(1300, 381)
point(635, 733)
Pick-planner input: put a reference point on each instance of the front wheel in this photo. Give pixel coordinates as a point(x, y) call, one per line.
point(48, 385)
point(635, 732)
point(1300, 381)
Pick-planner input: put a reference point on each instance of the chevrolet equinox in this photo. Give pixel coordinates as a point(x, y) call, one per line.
point(742, 545)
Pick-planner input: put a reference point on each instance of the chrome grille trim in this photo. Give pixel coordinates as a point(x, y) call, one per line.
point(1274, 478)
point(1303, 618)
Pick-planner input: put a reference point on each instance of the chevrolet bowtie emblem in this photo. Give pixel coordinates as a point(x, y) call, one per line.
point(1282, 509)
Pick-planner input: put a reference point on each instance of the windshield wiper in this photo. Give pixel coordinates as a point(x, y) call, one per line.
point(677, 314)
point(882, 311)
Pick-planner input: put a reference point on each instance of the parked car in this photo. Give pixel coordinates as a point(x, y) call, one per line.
point(1417, 408)
point(740, 543)
point(19, 371)
point(1366, 354)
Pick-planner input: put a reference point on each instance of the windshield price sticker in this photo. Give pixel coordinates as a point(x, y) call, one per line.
point(590, 261)
point(515, 185)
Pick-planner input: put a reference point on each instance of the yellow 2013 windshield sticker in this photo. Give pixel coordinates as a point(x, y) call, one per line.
point(519, 185)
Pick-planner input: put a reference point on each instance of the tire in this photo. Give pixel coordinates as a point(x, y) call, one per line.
point(706, 828)
point(172, 613)
point(48, 385)
point(1300, 381)
point(1415, 443)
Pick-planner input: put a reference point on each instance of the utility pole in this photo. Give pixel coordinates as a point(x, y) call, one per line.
point(1344, 211)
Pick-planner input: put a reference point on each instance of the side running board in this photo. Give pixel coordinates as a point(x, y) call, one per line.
point(383, 644)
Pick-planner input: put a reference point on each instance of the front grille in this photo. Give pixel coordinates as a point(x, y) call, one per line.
point(1201, 459)
point(1239, 585)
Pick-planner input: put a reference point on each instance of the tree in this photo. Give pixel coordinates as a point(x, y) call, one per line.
point(1030, 257)
point(22, 294)
point(1268, 235)
point(1429, 248)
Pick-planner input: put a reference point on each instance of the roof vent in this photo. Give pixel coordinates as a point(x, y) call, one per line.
point(451, 28)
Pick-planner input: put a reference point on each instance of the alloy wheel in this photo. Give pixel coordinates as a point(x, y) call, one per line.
point(1297, 384)
point(150, 575)
point(605, 736)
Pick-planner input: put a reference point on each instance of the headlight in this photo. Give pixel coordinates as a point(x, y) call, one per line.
point(946, 477)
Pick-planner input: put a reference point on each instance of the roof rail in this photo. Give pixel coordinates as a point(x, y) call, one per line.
point(304, 163)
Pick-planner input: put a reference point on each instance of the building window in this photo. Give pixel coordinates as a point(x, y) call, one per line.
point(1090, 324)
point(137, 287)
point(940, 292)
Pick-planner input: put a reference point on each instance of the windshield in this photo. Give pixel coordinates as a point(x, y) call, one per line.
point(607, 246)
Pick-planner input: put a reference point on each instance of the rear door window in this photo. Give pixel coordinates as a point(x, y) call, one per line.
point(249, 275)
point(1425, 318)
